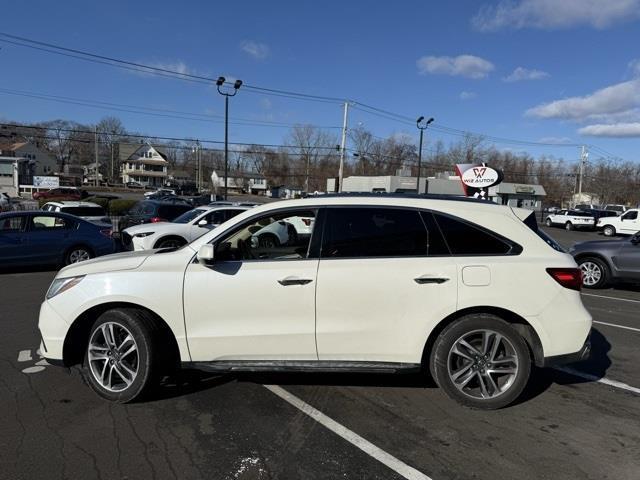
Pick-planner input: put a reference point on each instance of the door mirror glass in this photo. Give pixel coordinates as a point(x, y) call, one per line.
point(205, 254)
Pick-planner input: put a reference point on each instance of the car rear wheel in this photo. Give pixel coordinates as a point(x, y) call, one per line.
point(609, 231)
point(568, 226)
point(548, 222)
point(77, 254)
point(595, 273)
point(268, 241)
point(120, 355)
point(481, 362)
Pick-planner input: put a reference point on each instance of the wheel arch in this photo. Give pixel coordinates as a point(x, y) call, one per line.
point(76, 338)
point(171, 236)
point(524, 328)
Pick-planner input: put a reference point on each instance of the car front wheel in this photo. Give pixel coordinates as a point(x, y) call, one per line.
point(609, 231)
point(481, 362)
point(548, 222)
point(568, 226)
point(595, 273)
point(120, 355)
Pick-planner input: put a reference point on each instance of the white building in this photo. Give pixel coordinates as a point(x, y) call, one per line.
point(14, 171)
point(43, 163)
point(241, 182)
point(518, 195)
point(143, 163)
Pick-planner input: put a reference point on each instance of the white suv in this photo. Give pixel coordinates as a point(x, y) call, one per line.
point(468, 290)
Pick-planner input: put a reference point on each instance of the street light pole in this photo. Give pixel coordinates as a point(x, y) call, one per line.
point(96, 155)
point(422, 128)
point(236, 86)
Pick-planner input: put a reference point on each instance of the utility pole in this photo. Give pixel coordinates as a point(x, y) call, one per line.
point(583, 160)
point(96, 155)
point(199, 159)
point(343, 145)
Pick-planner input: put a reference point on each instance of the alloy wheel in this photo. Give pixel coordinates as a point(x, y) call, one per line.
point(113, 357)
point(591, 273)
point(482, 364)
point(79, 255)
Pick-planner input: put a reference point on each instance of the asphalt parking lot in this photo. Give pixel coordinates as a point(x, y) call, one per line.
point(578, 423)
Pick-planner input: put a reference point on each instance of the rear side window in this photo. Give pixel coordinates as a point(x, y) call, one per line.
point(464, 238)
point(374, 232)
point(11, 224)
point(172, 211)
point(531, 222)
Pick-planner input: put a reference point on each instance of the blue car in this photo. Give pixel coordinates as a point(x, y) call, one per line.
point(50, 238)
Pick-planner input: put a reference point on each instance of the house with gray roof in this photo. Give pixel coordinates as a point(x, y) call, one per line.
point(143, 163)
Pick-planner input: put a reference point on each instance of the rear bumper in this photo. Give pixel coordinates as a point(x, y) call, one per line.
point(578, 356)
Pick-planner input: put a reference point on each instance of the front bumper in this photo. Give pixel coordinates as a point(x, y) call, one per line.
point(53, 330)
point(582, 354)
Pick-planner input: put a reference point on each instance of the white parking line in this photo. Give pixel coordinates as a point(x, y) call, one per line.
point(611, 298)
point(618, 326)
point(369, 448)
point(593, 378)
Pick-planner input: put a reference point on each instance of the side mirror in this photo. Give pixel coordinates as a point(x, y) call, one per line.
point(206, 254)
point(203, 223)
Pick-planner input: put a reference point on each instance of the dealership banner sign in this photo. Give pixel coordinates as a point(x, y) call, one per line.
point(46, 182)
point(476, 179)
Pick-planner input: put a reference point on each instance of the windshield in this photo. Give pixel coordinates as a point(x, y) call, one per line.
point(186, 217)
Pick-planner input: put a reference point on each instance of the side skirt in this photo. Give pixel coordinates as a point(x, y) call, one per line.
point(303, 366)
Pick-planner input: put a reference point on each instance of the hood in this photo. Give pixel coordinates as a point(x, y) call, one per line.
point(143, 227)
point(600, 244)
point(108, 263)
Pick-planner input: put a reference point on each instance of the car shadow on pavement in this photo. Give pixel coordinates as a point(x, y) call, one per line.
point(595, 368)
point(186, 382)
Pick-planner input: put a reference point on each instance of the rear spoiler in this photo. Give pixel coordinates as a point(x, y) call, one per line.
point(522, 213)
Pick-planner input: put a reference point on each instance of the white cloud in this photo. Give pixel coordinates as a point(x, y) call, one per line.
point(555, 140)
point(468, 95)
point(555, 14)
point(612, 130)
point(521, 73)
point(617, 99)
point(463, 65)
point(259, 51)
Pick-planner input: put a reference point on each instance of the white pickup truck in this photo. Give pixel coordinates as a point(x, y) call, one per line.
point(571, 219)
point(626, 224)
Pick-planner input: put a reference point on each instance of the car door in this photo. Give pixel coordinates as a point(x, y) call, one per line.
point(629, 222)
point(48, 237)
point(627, 259)
point(252, 302)
point(384, 281)
point(13, 246)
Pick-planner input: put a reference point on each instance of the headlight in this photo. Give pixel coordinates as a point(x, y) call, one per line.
point(143, 234)
point(60, 285)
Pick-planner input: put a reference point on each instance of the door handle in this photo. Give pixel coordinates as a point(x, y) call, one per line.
point(294, 281)
point(423, 279)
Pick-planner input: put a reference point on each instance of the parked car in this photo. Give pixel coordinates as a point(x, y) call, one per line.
point(5, 202)
point(605, 261)
point(626, 224)
point(154, 211)
point(50, 238)
point(160, 192)
point(586, 206)
point(619, 209)
point(288, 231)
point(597, 214)
point(132, 184)
point(180, 231)
point(91, 212)
point(468, 290)
point(571, 219)
point(61, 193)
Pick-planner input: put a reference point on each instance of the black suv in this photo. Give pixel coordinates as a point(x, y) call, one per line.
point(152, 211)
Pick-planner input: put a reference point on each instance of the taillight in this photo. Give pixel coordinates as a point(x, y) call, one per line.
point(567, 277)
point(107, 232)
point(158, 220)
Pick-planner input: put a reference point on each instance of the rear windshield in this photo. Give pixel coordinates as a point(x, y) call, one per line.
point(186, 217)
point(531, 222)
point(84, 211)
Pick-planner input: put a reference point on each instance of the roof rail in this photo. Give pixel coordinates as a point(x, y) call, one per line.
point(426, 196)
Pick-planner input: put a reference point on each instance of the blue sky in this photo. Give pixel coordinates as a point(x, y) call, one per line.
point(537, 70)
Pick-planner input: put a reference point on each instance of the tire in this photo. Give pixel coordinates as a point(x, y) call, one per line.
point(512, 356)
point(108, 364)
point(609, 231)
point(268, 240)
point(568, 226)
point(170, 242)
point(76, 254)
point(548, 222)
point(595, 272)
